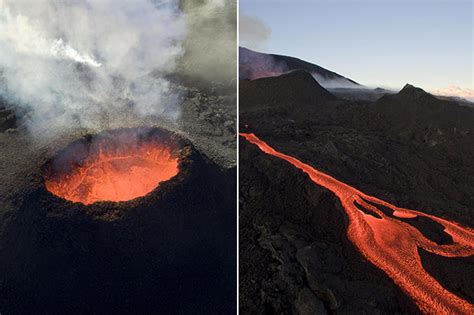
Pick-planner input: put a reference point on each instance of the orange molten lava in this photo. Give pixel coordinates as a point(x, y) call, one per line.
point(392, 245)
point(115, 173)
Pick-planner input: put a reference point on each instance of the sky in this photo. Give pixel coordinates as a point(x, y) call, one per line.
point(387, 43)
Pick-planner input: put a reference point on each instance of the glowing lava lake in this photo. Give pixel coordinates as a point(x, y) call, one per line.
point(391, 244)
point(120, 166)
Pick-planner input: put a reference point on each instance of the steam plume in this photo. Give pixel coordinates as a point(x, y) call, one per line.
point(78, 63)
point(210, 44)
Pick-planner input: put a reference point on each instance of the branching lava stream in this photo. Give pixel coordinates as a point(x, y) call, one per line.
point(391, 244)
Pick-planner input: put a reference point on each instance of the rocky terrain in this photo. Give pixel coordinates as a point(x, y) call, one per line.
point(208, 118)
point(408, 148)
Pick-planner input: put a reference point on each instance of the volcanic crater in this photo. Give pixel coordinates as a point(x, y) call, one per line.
point(117, 168)
point(137, 215)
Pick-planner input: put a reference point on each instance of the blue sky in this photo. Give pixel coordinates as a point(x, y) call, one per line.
point(379, 43)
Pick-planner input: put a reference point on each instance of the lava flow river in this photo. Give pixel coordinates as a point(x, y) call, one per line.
point(391, 244)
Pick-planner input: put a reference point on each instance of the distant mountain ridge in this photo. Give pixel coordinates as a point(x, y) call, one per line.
point(255, 65)
point(412, 111)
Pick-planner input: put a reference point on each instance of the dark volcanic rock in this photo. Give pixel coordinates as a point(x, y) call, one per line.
point(295, 88)
point(413, 113)
point(308, 304)
point(7, 118)
point(410, 149)
point(455, 274)
point(360, 93)
point(432, 230)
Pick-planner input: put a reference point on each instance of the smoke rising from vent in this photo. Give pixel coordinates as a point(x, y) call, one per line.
point(85, 64)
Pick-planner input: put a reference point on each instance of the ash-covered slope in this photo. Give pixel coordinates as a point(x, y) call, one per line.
point(254, 65)
point(410, 149)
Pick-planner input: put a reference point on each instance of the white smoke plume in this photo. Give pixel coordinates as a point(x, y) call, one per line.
point(253, 32)
point(336, 83)
point(77, 63)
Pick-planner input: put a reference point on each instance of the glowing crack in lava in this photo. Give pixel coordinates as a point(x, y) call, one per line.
point(391, 244)
point(117, 169)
